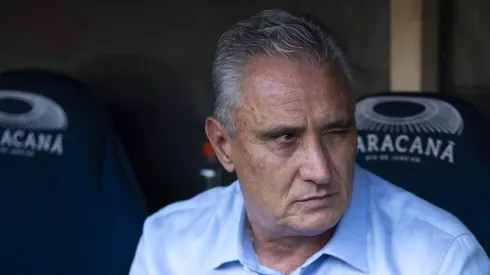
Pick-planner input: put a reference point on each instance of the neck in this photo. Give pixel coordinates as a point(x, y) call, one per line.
point(285, 254)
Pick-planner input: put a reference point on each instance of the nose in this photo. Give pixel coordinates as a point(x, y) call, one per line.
point(316, 165)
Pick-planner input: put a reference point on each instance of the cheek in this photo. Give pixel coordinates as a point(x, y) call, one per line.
point(343, 154)
point(342, 159)
point(256, 161)
point(267, 176)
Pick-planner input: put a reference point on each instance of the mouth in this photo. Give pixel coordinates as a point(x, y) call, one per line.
point(316, 198)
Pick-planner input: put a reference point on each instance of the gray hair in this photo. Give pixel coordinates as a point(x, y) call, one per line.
point(269, 33)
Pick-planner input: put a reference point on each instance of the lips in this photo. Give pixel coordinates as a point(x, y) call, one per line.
point(318, 197)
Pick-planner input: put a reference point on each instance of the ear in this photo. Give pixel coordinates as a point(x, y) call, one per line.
point(220, 139)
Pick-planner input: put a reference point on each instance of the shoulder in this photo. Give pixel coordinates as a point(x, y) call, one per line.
point(414, 228)
point(176, 237)
point(183, 218)
point(405, 208)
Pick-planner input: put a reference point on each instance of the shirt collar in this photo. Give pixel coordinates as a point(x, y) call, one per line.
point(349, 243)
point(231, 220)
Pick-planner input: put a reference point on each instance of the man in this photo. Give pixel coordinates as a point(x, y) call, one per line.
point(284, 121)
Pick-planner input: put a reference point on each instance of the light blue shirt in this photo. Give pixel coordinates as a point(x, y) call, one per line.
point(385, 231)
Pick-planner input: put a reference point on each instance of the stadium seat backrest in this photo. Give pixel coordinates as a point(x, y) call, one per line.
point(433, 145)
point(68, 197)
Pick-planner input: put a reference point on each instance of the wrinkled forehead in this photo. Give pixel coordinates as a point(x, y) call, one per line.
point(279, 90)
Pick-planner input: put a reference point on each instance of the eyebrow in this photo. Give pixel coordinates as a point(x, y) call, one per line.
point(339, 124)
point(283, 129)
point(278, 130)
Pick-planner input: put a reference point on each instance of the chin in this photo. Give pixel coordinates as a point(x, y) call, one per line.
point(315, 224)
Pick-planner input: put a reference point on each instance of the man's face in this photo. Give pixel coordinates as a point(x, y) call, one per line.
point(295, 145)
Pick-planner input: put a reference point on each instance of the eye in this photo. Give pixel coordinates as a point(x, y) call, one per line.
point(340, 132)
point(286, 138)
point(336, 134)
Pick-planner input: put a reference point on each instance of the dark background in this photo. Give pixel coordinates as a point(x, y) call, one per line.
point(151, 62)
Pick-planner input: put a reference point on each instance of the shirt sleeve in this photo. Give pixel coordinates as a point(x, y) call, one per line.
point(465, 257)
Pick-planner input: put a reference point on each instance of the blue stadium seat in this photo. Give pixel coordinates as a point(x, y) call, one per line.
point(69, 201)
point(433, 145)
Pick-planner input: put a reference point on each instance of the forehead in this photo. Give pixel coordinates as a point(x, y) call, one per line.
point(280, 90)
